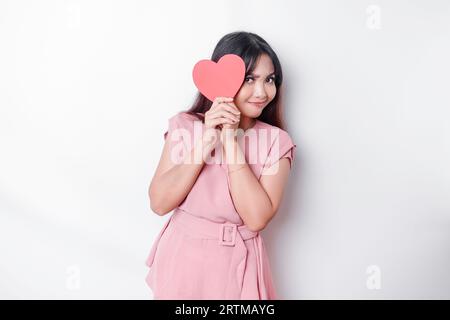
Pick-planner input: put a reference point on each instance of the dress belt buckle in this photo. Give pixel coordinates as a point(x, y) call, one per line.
point(233, 235)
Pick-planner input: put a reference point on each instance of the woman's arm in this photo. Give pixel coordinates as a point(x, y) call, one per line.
point(256, 201)
point(172, 180)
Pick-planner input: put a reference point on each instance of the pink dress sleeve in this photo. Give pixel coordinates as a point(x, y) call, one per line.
point(185, 124)
point(173, 123)
point(181, 133)
point(283, 147)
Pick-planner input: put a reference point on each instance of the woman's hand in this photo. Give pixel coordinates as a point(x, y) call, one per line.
point(229, 129)
point(223, 113)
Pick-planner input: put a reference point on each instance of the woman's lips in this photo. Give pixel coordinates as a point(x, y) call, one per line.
point(258, 104)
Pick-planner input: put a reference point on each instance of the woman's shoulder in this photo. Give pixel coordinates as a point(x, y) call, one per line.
point(183, 123)
point(185, 117)
point(276, 133)
point(280, 144)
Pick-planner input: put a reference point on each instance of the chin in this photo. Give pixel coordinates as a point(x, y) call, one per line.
point(252, 113)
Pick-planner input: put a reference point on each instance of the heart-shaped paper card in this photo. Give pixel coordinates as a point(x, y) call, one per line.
point(221, 79)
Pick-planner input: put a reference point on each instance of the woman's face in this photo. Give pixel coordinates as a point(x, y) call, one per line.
point(258, 87)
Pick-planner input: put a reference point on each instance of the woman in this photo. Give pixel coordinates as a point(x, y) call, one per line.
point(211, 248)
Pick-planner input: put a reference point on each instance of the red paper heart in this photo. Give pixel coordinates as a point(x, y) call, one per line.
point(221, 79)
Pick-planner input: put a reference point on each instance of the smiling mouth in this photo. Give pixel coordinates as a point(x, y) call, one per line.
point(258, 104)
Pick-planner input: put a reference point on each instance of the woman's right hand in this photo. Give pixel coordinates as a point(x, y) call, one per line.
point(221, 113)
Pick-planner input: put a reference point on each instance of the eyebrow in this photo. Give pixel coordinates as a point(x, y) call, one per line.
point(257, 75)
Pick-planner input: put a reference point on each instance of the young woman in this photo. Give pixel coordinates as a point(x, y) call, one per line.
point(211, 247)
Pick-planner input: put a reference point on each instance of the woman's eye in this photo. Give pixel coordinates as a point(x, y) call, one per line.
point(268, 79)
point(271, 78)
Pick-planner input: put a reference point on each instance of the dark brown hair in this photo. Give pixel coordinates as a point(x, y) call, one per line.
point(249, 47)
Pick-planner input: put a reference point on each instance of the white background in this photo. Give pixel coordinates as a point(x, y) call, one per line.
point(86, 88)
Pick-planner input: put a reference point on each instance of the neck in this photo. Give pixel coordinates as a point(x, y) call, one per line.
point(246, 122)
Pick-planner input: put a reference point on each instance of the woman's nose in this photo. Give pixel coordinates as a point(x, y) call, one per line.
point(260, 92)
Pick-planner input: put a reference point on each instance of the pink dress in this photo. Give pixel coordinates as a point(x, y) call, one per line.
point(204, 250)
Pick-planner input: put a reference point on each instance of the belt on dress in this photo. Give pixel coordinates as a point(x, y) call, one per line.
point(227, 234)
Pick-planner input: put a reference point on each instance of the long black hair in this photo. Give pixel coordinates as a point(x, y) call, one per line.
point(249, 47)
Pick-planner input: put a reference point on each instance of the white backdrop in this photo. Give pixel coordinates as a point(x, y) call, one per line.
point(86, 88)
